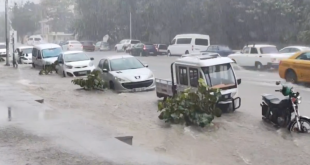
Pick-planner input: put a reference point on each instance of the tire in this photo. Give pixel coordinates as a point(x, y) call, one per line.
point(301, 120)
point(187, 52)
point(111, 85)
point(290, 76)
point(169, 53)
point(258, 66)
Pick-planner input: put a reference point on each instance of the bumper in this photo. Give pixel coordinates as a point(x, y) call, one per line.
point(140, 86)
point(273, 65)
point(229, 104)
point(79, 72)
point(24, 61)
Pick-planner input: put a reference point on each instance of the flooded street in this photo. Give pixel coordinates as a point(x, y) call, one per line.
point(77, 127)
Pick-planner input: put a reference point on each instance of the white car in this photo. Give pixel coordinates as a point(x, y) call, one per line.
point(24, 54)
point(119, 47)
point(74, 64)
point(72, 45)
point(188, 43)
point(258, 56)
point(291, 50)
point(2, 50)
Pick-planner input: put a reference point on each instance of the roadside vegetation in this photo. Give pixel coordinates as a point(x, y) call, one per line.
point(191, 107)
point(48, 68)
point(92, 82)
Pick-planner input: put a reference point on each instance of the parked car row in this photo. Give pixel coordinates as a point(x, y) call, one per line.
point(84, 45)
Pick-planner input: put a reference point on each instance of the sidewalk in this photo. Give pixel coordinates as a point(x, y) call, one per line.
point(38, 133)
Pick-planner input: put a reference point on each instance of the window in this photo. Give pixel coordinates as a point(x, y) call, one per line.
point(125, 64)
point(60, 58)
point(210, 48)
point(163, 47)
point(34, 52)
point(254, 51)
point(173, 42)
point(203, 42)
point(268, 50)
point(106, 65)
point(293, 50)
point(285, 50)
point(193, 76)
point(224, 48)
point(100, 65)
point(183, 76)
point(51, 52)
point(37, 39)
point(220, 76)
point(184, 41)
point(304, 56)
point(246, 50)
point(27, 50)
point(39, 54)
point(135, 42)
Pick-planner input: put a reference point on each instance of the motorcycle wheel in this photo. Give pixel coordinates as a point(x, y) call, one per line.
point(294, 126)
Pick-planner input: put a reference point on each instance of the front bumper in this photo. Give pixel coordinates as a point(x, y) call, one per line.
point(26, 61)
point(139, 86)
point(79, 72)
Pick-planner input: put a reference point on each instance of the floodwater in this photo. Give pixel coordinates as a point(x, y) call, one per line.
point(235, 139)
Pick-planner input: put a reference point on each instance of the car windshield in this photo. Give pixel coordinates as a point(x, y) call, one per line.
point(220, 76)
point(27, 50)
point(2, 47)
point(76, 57)
point(135, 42)
point(75, 43)
point(125, 64)
point(105, 44)
point(51, 52)
point(268, 50)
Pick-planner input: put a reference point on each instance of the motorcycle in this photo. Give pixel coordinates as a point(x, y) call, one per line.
point(279, 112)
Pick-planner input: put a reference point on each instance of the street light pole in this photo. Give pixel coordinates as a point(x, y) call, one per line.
point(6, 34)
point(130, 25)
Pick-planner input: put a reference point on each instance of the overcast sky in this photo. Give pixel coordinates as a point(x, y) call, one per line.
point(11, 2)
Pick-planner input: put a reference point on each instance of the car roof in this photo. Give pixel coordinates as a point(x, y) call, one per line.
point(118, 56)
point(24, 47)
point(203, 60)
point(46, 46)
point(72, 52)
point(192, 35)
point(260, 45)
point(73, 41)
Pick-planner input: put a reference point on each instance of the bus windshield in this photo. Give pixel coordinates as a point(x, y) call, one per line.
point(220, 76)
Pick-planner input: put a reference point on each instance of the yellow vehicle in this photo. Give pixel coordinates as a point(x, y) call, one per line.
point(296, 68)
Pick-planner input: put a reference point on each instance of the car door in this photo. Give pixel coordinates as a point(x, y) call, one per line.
point(34, 56)
point(241, 58)
point(252, 57)
point(302, 66)
point(39, 58)
point(172, 47)
point(105, 75)
point(210, 49)
point(60, 66)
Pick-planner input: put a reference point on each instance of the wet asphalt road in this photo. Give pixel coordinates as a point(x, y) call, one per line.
point(242, 139)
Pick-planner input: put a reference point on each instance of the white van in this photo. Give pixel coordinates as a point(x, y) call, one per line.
point(34, 39)
point(188, 43)
point(45, 53)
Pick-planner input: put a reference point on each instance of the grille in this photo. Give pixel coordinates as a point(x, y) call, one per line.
point(80, 67)
point(225, 97)
point(79, 74)
point(140, 84)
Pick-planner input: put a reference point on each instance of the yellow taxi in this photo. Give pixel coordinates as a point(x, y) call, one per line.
point(296, 68)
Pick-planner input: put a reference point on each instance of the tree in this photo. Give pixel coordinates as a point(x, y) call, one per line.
point(24, 20)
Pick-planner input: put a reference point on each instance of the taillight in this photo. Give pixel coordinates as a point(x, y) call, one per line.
point(144, 47)
point(280, 62)
point(157, 49)
point(192, 47)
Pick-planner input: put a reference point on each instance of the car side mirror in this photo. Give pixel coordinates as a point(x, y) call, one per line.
point(277, 82)
point(146, 65)
point(104, 70)
point(92, 58)
point(239, 81)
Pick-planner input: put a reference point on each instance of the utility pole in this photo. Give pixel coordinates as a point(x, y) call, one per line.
point(130, 25)
point(7, 43)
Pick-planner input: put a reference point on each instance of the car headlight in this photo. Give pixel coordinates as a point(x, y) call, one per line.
point(233, 94)
point(299, 99)
point(119, 79)
point(151, 76)
point(69, 66)
point(91, 64)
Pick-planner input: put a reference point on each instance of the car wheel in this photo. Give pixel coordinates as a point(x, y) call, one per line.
point(291, 77)
point(258, 66)
point(111, 85)
point(169, 53)
point(187, 52)
point(64, 74)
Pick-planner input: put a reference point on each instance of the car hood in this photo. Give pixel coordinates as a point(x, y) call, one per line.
point(79, 63)
point(133, 75)
point(50, 60)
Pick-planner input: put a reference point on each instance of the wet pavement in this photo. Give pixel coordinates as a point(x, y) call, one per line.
point(82, 123)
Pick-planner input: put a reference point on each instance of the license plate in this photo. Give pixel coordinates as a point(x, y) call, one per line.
point(82, 72)
point(151, 52)
point(138, 89)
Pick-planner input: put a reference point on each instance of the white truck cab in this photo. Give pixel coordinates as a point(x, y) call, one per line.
point(217, 72)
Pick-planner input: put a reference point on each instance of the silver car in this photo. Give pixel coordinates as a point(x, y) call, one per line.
point(125, 73)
